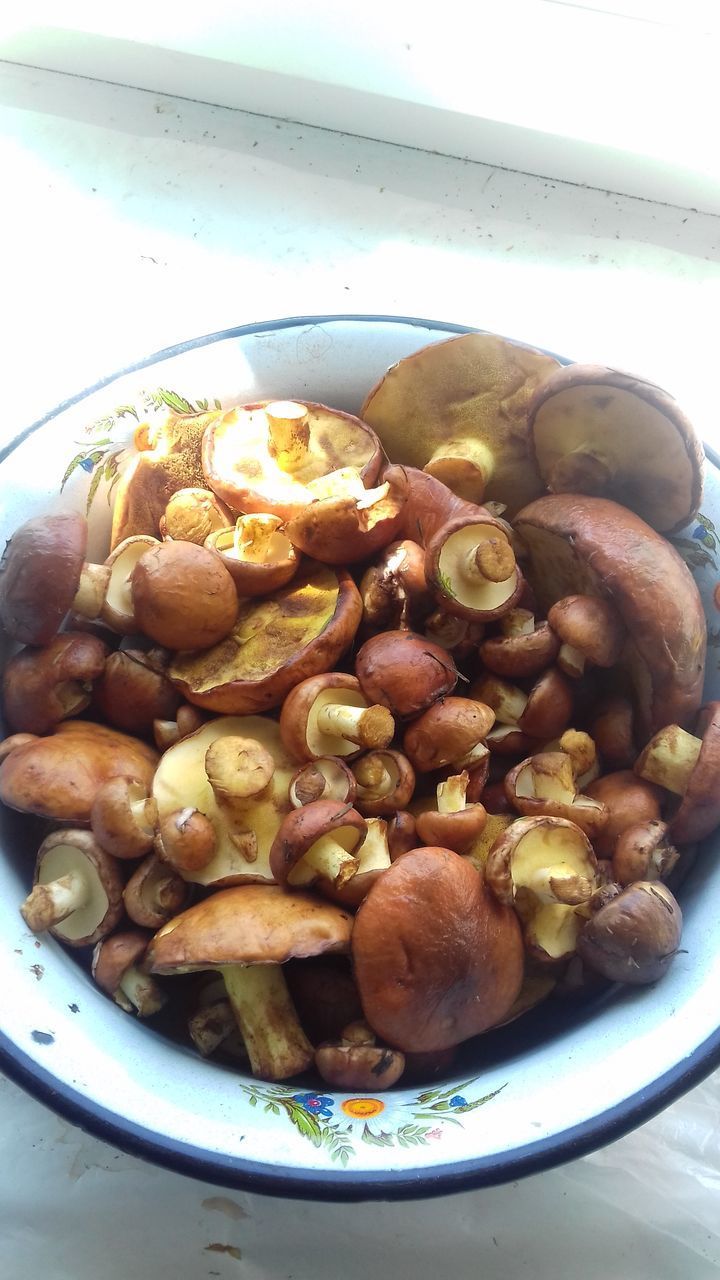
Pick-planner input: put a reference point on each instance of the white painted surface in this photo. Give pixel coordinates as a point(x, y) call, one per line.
point(130, 221)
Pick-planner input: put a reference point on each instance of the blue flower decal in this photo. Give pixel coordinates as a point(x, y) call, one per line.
point(458, 1101)
point(87, 464)
point(316, 1104)
point(701, 534)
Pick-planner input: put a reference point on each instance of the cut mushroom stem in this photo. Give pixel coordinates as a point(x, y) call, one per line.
point(276, 1043)
point(49, 904)
point(492, 560)
point(211, 1026)
point(138, 991)
point(328, 859)
point(289, 431)
point(670, 759)
point(92, 589)
point(240, 771)
point(369, 727)
point(452, 793)
point(571, 661)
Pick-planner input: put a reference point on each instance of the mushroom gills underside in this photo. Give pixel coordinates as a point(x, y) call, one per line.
point(65, 860)
point(465, 584)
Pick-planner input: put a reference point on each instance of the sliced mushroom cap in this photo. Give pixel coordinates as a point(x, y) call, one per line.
point(117, 969)
point(260, 457)
point(77, 892)
point(276, 642)
point(451, 732)
point(123, 817)
point(456, 954)
point(182, 782)
point(602, 432)
point(629, 800)
point(41, 687)
point(592, 546)
point(184, 597)
point(43, 575)
point(154, 893)
point(118, 611)
point(459, 408)
point(385, 783)
point(689, 766)
point(133, 692)
point(257, 552)
point(194, 515)
point(636, 937)
point(345, 522)
point(327, 715)
point(319, 841)
point(59, 776)
point(404, 672)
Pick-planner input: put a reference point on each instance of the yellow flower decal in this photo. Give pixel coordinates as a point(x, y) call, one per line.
point(362, 1108)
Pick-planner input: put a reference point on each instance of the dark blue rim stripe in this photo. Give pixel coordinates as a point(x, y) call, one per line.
point(342, 1185)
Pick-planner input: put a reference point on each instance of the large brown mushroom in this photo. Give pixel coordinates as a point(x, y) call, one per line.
point(404, 672)
point(260, 457)
point(247, 934)
point(276, 642)
point(42, 686)
point(60, 775)
point(327, 715)
point(602, 432)
point(451, 732)
point(592, 546)
point(183, 596)
point(44, 575)
point(77, 892)
point(454, 954)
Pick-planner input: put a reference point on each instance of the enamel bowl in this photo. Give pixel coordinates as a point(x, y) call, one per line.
point(564, 1079)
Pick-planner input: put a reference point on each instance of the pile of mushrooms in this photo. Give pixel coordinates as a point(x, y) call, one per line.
point(379, 763)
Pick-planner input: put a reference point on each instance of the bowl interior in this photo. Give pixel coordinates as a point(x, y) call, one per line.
point(566, 1077)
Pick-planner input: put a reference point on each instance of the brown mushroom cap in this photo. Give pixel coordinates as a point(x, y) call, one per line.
point(629, 800)
point(41, 687)
point(169, 460)
point(404, 672)
point(183, 595)
point(304, 828)
point(451, 732)
point(118, 611)
point(251, 924)
point(40, 576)
point(194, 515)
point(116, 968)
point(276, 642)
point(590, 625)
point(636, 936)
point(454, 953)
point(123, 817)
point(186, 840)
point(326, 778)
point(306, 735)
point(643, 852)
point(366, 1067)
point(248, 472)
point(394, 590)
point(88, 875)
point(599, 431)
point(132, 693)
point(521, 654)
point(344, 522)
point(154, 893)
point(593, 546)
point(544, 784)
point(385, 783)
point(549, 707)
point(459, 407)
point(257, 553)
point(611, 729)
point(59, 776)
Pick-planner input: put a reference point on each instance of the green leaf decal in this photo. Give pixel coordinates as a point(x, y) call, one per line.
point(97, 477)
point(174, 401)
point(304, 1122)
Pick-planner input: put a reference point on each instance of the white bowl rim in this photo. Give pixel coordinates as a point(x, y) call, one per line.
point(416, 1183)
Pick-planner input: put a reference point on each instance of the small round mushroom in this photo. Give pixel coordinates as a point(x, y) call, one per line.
point(689, 767)
point(404, 672)
point(373, 859)
point(257, 552)
point(325, 778)
point(470, 566)
point(455, 824)
point(41, 687)
point(357, 1061)
point(117, 969)
point(544, 784)
point(345, 522)
point(167, 732)
point(186, 840)
point(544, 712)
point(118, 611)
point(385, 783)
point(247, 934)
point(328, 715)
point(591, 630)
point(629, 800)
point(77, 892)
point(401, 834)
point(456, 953)
point(635, 937)
point(240, 772)
point(183, 595)
point(43, 576)
point(193, 515)
point(320, 841)
point(394, 592)
point(451, 732)
point(132, 692)
point(523, 649)
point(123, 817)
point(643, 852)
point(154, 893)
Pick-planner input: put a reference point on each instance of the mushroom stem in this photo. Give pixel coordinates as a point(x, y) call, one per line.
point(144, 811)
point(492, 560)
point(582, 471)
point(370, 727)
point(92, 589)
point(289, 431)
point(49, 904)
point(670, 758)
point(571, 660)
point(464, 464)
point(276, 1043)
point(452, 793)
point(372, 776)
point(518, 622)
point(254, 536)
point(327, 858)
point(210, 1026)
point(139, 991)
point(560, 884)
